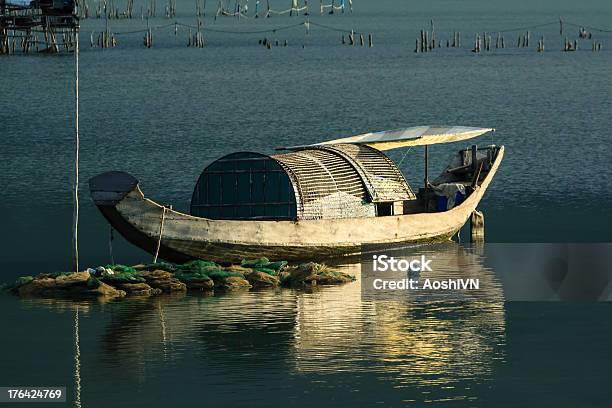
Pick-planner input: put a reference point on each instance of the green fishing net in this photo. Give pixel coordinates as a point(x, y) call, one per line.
point(264, 265)
point(202, 270)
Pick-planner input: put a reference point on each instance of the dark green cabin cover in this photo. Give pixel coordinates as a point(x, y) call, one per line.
point(244, 186)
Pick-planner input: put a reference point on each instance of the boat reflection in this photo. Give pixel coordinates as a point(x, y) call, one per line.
point(424, 339)
point(327, 330)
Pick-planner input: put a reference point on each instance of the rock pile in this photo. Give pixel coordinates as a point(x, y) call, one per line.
point(116, 281)
point(75, 284)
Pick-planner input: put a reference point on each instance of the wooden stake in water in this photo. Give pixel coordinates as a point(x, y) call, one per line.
point(75, 218)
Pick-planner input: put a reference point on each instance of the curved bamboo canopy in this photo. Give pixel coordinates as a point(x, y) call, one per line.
point(413, 136)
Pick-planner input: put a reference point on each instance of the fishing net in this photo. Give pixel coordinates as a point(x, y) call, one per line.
point(122, 274)
point(202, 270)
point(121, 268)
point(191, 276)
point(264, 265)
point(122, 277)
point(164, 266)
point(266, 270)
point(22, 280)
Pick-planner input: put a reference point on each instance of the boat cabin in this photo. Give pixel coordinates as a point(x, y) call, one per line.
point(344, 178)
point(320, 182)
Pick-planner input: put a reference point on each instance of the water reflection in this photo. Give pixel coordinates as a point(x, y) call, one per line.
point(414, 339)
point(268, 336)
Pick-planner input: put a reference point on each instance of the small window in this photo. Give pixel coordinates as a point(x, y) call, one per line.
point(384, 209)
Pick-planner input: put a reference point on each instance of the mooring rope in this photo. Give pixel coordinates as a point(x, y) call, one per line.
point(161, 232)
point(404, 156)
point(268, 30)
point(601, 30)
point(340, 30)
point(110, 244)
point(144, 30)
point(509, 30)
point(216, 30)
point(557, 22)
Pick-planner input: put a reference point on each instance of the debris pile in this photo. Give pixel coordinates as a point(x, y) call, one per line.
point(116, 281)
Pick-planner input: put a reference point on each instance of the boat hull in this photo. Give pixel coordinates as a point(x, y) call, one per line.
point(184, 237)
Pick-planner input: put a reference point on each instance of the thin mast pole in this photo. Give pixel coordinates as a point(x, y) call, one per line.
point(75, 217)
point(426, 178)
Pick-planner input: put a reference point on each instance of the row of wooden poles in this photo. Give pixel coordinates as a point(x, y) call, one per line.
point(29, 40)
point(195, 40)
point(427, 42)
point(573, 46)
point(266, 43)
point(350, 39)
point(107, 39)
point(109, 9)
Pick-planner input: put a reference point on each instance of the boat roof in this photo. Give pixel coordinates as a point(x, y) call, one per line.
point(412, 136)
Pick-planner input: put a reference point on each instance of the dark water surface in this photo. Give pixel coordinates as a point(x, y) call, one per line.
point(323, 347)
point(163, 114)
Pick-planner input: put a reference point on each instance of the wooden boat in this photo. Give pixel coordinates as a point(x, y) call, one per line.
point(311, 202)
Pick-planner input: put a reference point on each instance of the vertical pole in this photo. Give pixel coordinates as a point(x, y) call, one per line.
point(77, 360)
point(426, 178)
point(477, 226)
point(110, 244)
point(75, 220)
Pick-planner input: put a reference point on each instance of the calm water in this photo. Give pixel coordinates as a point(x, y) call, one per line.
point(325, 347)
point(163, 114)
